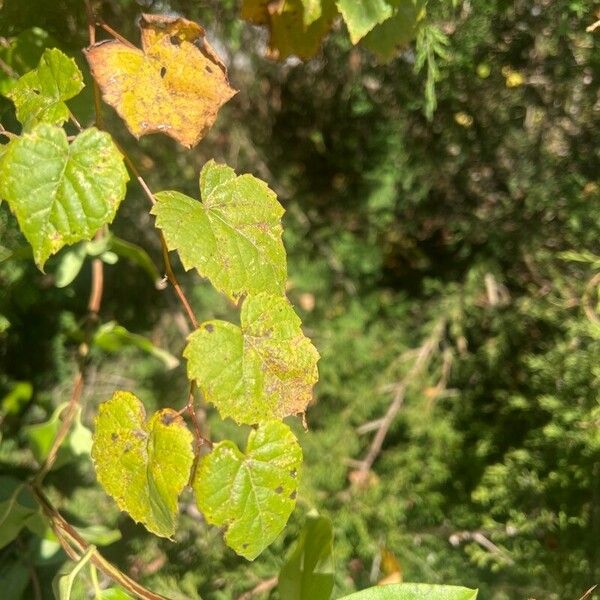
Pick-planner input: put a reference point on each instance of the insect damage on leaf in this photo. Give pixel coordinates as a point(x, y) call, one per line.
point(263, 370)
point(175, 85)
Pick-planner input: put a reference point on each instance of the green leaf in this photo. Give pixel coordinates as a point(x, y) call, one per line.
point(233, 236)
point(263, 370)
point(312, 11)
point(40, 95)
point(137, 255)
point(63, 582)
point(308, 573)
point(143, 465)
point(113, 337)
point(398, 31)
point(17, 506)
point(41, 437)
point(19, 395)
point(362, 16)
point(414, 591)
point(99, 535)
point(61, 193)
point(251, 494)
point(70, 265)
point(114, 594)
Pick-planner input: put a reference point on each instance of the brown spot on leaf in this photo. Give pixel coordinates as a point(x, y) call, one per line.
point(278, 489)
point(114, 436)
point(210, 328)
point(166, 419)
point(293, 495)
point(293, 473)
point(163, 71)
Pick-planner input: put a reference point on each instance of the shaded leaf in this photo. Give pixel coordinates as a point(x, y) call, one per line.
point(136, 254)
point(387, 39)
point(263, 370)
point(308, 573)
point(70, 265)
point(17, 505)
point(361, 17)
point(41, 437)
point(113, 337)
point(233, 236)
point(251, 494)
point(61, 193)
point(174, 85)
point(40, 95)
point(63, 582)
point(297, 27)
point(143, 465)
point(414, 591)
point(19, 395)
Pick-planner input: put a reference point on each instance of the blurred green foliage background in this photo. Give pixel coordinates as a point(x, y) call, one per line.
point(468, 239)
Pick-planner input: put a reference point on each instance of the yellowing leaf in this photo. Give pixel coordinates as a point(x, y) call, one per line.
point(297, 26)
point(143, 465)
point(251, 494)
point(263, 370)
point(40, 95)
point(233, 236)
point(174, 85)
point(61, 193)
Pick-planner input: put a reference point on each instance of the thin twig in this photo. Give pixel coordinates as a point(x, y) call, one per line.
point(586, 300)
point(75, 546)
point(423, 356)
point(8, 70)
point(593, 26)
point(262, 588)
point(115, 34)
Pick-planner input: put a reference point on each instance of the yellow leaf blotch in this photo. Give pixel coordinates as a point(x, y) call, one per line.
point(174, 85)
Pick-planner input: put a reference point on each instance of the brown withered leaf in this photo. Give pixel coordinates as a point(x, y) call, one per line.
point(174, 85)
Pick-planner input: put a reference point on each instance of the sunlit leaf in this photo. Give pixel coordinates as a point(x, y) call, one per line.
point(263, 370)
point(40, 95)
point(143, 465)
point(252, 495)
point(414, 591)
point(362, 16)
point(233, 236)
point(308, 573)
point(174, 85)
point(61, 193)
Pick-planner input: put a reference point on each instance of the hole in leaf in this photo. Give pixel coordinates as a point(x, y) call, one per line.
point(36, 92)
point(210, 328)
point(174, 39)
point(293, 495)
point(208, 69)
point(163, 71)
point(293, 473)
point(166, 419)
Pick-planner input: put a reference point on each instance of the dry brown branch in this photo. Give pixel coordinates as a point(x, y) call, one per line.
point(477, 536)
point(262, 588)
point(423, 357)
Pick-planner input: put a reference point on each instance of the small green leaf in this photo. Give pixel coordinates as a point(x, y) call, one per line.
point(17, 505)
point(114, 594)
point(386, 39)
point(137, 255)
point(70, 265)
point(414, 591)
point(233, 236)
point(99, 535)
point(19, 395)
point(360, 17)
point(143, 465)
point(113, 337)
point(63, 582)
point(264, 370)
point(40, 95)
point(61, 193)
point(251, 494)
point(41, 437)
point(312, 11)
point(308, 573)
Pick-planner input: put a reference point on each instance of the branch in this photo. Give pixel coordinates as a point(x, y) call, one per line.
point(424, 354)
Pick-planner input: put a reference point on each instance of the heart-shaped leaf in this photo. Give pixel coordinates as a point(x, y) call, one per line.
point(263, 370)
point(40, 95)
point(233, 236)
point(175, 85)
point(361, 17)
point(61, 193)
point(143, 465)
point(251, 494)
